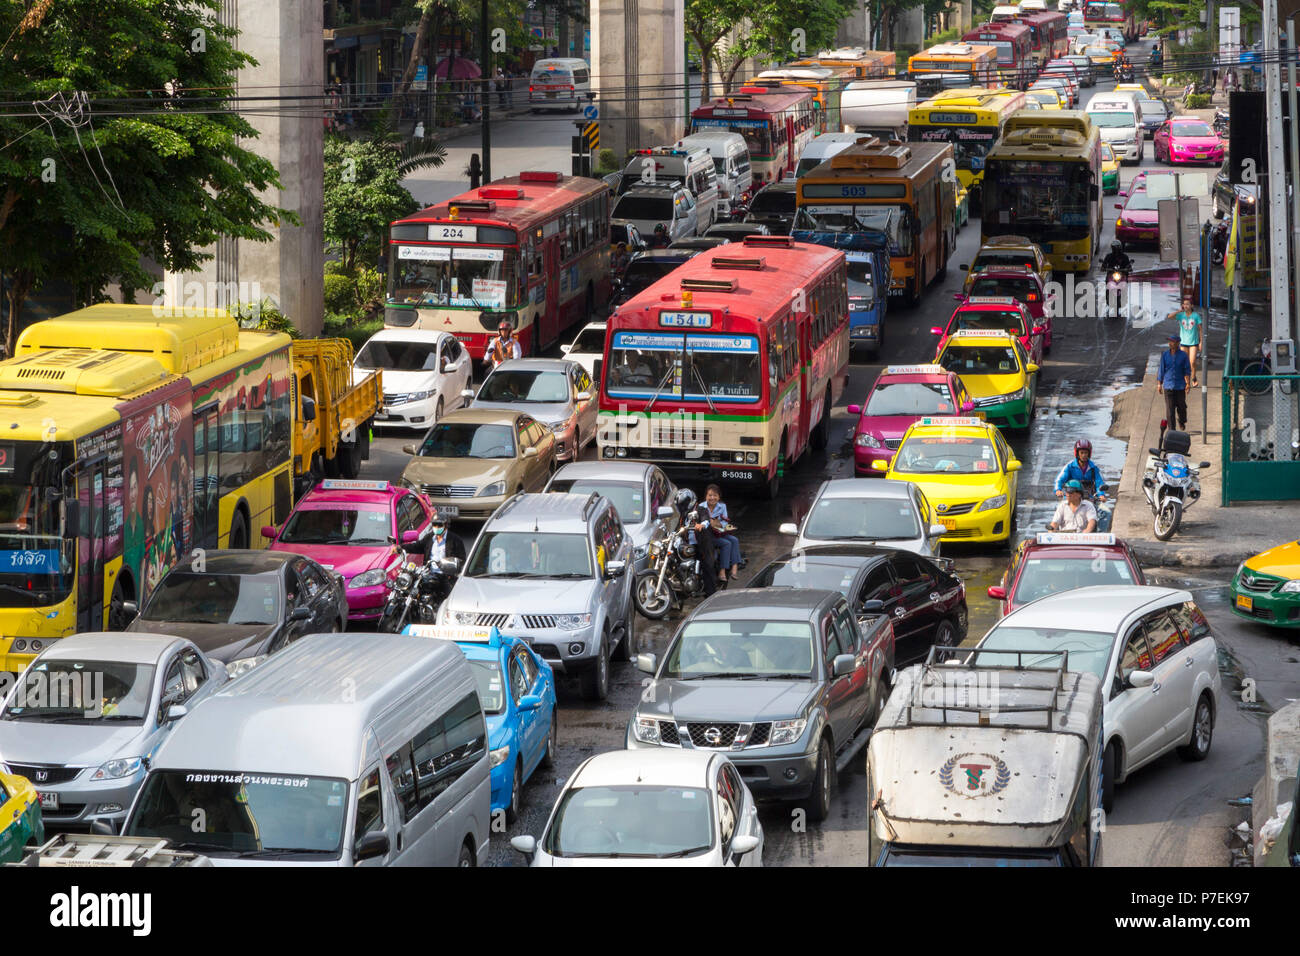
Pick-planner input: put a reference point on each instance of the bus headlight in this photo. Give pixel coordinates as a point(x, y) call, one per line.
point(751, 458)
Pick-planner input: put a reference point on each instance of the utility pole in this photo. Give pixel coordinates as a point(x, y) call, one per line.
point(1295, 152)
point(1279, 274)
point(485, 74)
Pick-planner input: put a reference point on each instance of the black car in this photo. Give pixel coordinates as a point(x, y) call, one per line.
point(243, 604)
point(699, 243)
point(647, 268)
point(1225, 195)
point(774, 207)
point(736, 231)
point(1154, 114)
point(924, 598)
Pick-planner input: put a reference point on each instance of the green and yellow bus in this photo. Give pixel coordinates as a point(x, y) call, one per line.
point(119, 461)
point(1042, 180)
point(971, 120)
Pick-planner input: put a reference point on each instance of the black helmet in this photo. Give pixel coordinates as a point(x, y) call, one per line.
point(1116, 248)
point(685, 501)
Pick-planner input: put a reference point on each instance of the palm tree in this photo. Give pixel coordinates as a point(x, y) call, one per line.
point(412, 155)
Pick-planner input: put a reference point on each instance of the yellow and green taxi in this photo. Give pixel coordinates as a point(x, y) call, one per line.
point(1109, 170)
point(968, 474)
point(1267, 587)
point(993, 366)
point(20, 815)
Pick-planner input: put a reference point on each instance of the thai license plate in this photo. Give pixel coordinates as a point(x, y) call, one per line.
point(737, 475)
point(447, 511)
point(949, 523)
point(1245, 603)
point(49, 801)
point(550, 94)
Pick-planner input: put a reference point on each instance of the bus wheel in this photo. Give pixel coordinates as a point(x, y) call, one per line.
point(331, 465)
point(117, 620)
point(774, 483)
point(238, 532)
point(821, 434)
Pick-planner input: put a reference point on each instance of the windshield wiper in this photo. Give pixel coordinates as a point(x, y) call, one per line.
point(790, 676)
point(278, 851)
point(566, 576)
point(699, 380)
point(23, 591)
point(660, 387)
point(721, 675)
point(679, 853)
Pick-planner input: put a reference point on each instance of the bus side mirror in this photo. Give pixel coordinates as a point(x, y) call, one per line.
point(308, 409)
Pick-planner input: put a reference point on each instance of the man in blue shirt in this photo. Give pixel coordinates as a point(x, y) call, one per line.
point(1172, 378)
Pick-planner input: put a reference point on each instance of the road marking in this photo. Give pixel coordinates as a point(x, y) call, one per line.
point(1042, 459)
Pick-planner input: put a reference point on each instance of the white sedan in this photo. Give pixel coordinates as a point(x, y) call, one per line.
point(651, 807)
point(588, 348)
point(425, 373)
point(1154, 654)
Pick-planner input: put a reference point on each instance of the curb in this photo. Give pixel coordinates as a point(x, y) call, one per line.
point(1154, 555)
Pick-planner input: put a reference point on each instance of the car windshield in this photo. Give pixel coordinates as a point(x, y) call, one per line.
point(525, 385)
point(645, 208)
point(1026, 289)
point(491, 689)
point(800, 572)
point(1112, 119)
point(872, 519)
point(1045, 96)
point(1089, 650)
point(987, 260)
point(529, 554)
point(191, 598)
point(1044, 576)
point(980, 360)
point(949, 455)
point(636, 821)
point(1191, 129)
point(1140, 200)
point(589, 341)
point(1107, 154)
point(742, 649)
point(1153, 109)
point(643, 273)
point(628, 497)
point(338, 524)
point(997, 321)
point(399, 356)
point(909, 398)
point(245, 814)
point(467, 440)
point(74, 692)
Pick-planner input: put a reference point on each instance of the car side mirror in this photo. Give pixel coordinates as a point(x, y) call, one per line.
point(564, 349)
point(582, 397)
point(530, 702)
point(788, 527)
point(300, 614)
point(174, 712)
point(449, 565)
point(270, 531)
point(968, 406)
point(467, 393)
point(1013, 465)
point(964, 267)
point(131, 609)
point(843, 665)
point(937, 531)
point(1119, 205)
point(371, 845)
point(1031, 368)
point(615, 569)
point(998, 592)
point(1202, 466)
point(647, 663)
point(956, 297)
point(526, 845)
point(409, 449)
point(745, 843)
point(855, 409)
point(1140, 679)
point(665, 511)
point(1124, 193)
point(411, 537)
point(874, 606)
point(530, 452)
point(936, 330)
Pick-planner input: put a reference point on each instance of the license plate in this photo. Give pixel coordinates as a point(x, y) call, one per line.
point(447, 511)
point(1245, 603)
point(949, 523)
point(737, 475)
point(550, 95)
point(49, 801)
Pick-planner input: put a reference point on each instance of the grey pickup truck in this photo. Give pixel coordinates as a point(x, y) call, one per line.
point(787, 681)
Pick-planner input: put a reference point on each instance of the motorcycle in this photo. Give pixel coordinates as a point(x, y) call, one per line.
point(1170, 482)
point(1221, 122)
point(417, 592)
point(1116, 282)
point(673, 575)
point(1124, 73)
point(1219, 242)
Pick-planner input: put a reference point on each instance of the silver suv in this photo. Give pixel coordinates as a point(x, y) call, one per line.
point(552, 569)
point(638, 490)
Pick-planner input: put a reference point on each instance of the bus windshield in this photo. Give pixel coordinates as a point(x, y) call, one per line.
point(713, 367)
point(36, 558)
point(1038, 199)
point(758, 136)
point(969, 143)
point(437, 275)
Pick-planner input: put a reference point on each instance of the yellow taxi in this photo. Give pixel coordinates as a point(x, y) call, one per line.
point(1109, 170)
point(1266, 587)
point(1047, 99)
point(996, 370)
point(20, 817)
point(1132, 88)
point(967, 472)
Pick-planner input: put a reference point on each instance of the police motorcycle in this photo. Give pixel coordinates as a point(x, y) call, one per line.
point(1170, 482)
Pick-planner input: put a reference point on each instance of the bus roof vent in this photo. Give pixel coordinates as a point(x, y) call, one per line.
point(470, 205)
point(749, 264)
point(179, 338)
point(951, 49)
point(540, 176)
point(82, 372)
point(500, 192)
point(781, 242)
point(713, 285)
point(18, 399)
point(1044, 137)
point(892, 155)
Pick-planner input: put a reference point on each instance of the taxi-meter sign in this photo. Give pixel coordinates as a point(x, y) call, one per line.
point(448, 632)
point(915, 370)
point(1074, 537)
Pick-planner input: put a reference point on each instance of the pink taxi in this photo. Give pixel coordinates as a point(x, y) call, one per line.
point(350, 527)
point(901, 395)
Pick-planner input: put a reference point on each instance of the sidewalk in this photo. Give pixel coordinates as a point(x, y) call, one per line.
point(1211, 535)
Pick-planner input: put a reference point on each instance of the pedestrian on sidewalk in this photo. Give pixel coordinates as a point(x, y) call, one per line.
point(1189, 334)
point(502, 85)
point(1172, 380)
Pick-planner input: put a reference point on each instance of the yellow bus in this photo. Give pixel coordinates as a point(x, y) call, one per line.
point(971, 120)
point(907, 192)
point(118, 463)
point(951, 65)
point(866, 64)
point(1042, 180)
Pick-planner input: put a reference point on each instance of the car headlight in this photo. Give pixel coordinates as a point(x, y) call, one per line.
point(463, 617)
point(646, 730)
point(418, 396)
point(405, 482)
point(866, 440)
point(558, 427)
point(116, 769)
point(1015, 396)
point(499, 756)
point(243, 665)
point(496, 488)
point(1241, 567)
point(572, 622)
point(787, 731)
point(1291, 587)
point(640, 552)
point(990, 504)
point(368, 579)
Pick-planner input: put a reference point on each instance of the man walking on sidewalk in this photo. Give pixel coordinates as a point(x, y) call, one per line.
point(1172, 380)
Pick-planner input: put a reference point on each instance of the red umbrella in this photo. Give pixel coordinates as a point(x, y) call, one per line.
point(461, 69)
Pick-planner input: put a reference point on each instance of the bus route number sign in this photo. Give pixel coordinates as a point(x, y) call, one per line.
point(952, 117)
point(442, 233)
point(686, 320)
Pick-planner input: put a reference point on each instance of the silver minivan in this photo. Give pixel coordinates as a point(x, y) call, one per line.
point(341, 750)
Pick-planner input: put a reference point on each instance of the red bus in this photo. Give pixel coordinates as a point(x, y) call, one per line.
point(727, 369)
point(1048, 33)
point(776, 124)
point(1106, 13)
point(1014, 43)
point(532, 248)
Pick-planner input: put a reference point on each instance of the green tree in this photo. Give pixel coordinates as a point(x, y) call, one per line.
point(147, 163)
point(363, 194)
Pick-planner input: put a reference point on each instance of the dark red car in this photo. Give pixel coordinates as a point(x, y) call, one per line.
point(1056, 561)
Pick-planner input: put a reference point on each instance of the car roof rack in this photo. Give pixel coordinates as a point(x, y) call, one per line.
point(962, 664)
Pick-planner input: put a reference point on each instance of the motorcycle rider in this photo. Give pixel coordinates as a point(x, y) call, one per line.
point(1075, 513)
point(444, 543)
point(1085, 471)
point(661, 237)
point(697, 520)
point(1117, 260)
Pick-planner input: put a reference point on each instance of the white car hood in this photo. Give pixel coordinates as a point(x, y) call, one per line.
point(400, 383)
point(522, 596)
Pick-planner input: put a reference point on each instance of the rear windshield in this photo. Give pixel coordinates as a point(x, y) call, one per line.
point(658, 208)
point(774, 201)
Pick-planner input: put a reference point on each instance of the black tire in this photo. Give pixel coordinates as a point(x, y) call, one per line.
point(627, 647)
point(516, 788)
point(116, 615)
point(330, 466)
point(548, 755)
point(1109, 765)
point(818, 804)
point(238, 539)
point(595, 679)
point(437, 410)
point(945, 635)
point(1164, 530)
point(1198, 747)
point(657, 609)
point(822, 433)
point(466, 858)
point(1010, 542)
point(773, 487)
point(349, 458)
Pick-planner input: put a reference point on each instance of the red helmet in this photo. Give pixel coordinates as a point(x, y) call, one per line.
point(1082, 445)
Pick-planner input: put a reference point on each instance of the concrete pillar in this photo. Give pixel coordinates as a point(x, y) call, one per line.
point(967, 16)
point(911, 26)
point(632, 39)
point(853, 28)
point(284, 37)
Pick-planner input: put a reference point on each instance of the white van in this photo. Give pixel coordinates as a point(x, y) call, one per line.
point(878, 108)
point(823, 147)
point(559, 84)
point(692, 168)
point(1004, 12)
point(730, 158)
point(1033, 6)
point(1118, 116)
point(340, 750)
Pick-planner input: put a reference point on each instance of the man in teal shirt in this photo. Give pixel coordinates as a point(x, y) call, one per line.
point(1189, 334)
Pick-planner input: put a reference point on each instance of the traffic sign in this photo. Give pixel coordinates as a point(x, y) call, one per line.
point(591, 112)
point(591, 133)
